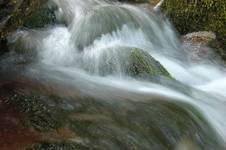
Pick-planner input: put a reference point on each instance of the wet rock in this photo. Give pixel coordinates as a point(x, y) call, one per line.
point(58, 146)
point(132, 125)
point(201, 38)
point(113, 20)
point(143, 65)
point(201, 45)
point(117, 124)
point(127, 61)
point(39, 115)
point(102, 21)
point(18, 13)
point(3, 46)
point(12, 132)
point(42, 17)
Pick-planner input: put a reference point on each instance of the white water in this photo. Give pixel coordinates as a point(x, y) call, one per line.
point(100, 31)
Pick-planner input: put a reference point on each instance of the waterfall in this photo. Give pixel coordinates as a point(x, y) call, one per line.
point(91, 53)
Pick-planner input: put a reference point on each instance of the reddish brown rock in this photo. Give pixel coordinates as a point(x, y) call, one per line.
point(13, 135)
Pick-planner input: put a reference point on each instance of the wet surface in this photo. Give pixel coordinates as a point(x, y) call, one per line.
point(86, 123)
point(13, 134)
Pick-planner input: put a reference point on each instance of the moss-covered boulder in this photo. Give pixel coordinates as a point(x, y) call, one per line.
point(42, 113)
point(42, 17)
point(13, 13)
point(124, 61)
point(23, 13)
point(58, 146)
point(89, 123)
point(201, 15)
point(143, 65)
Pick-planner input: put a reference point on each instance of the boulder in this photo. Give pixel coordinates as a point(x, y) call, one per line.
point(126, 61)
point(13, 13)
point(199, 45)
point(143, 65)
point(42, 17)
point(18, 13)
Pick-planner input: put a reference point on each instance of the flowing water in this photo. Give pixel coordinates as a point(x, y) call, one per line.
point(90, 53)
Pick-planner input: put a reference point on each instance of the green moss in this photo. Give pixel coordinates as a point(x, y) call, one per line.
point(38, 113)
point(201, 15)
point(142, 64)
point(42, 17)
point(13, 13)
point(58, 146)
point(19, 11)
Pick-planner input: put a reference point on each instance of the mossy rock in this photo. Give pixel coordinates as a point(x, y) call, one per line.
point(144, 65)
point(58, 146)
point(42, 17)
point(202, 15)
point(12, 14)
point(125, 61)
point(40, 111)
point(120, 124)
point(17, 11)
point(15, 14)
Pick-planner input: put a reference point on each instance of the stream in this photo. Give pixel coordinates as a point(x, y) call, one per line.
point(87, 58)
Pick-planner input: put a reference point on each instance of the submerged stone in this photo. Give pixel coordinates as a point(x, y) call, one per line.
point(102, 21)
point(125, 61)
point(116, 21)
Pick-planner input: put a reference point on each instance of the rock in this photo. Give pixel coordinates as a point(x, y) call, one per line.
point(202, 15)
point(42, 17)
point(134, 1)
point(38, 113)
point(17, 13)
point(103, 20)
point(58, 146)
point(118, 124)
point(200, 45)
point(126, 61)
point(201, 37)
point(143, 65)
point(3, 46)
point(14, 13)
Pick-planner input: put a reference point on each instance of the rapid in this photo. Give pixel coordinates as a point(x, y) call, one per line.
point(89, 52)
